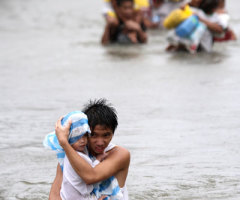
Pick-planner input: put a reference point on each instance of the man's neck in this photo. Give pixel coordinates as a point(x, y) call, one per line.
point(91, 152)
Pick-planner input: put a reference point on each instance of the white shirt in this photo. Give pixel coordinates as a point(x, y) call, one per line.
point(73, 187)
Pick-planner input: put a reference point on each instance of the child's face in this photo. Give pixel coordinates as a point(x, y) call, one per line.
point(80, 144)
point(126, 8)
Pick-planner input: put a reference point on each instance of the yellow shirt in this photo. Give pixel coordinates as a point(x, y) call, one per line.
point(141, 4)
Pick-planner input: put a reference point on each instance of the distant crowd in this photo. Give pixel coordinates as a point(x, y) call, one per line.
point(194, 25)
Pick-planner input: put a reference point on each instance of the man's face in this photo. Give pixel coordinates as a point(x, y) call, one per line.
point(99, 139)
point(126, 8)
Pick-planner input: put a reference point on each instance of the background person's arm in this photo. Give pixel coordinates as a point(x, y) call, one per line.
point(56, 185)
point(134, 26)
point(106, 35)
point(142, 36)
point(212, 26)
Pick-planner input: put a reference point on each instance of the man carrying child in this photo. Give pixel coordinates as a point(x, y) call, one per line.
point(102, 120)
point(126, 26)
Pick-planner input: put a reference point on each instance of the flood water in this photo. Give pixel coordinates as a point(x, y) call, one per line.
point(179, 114)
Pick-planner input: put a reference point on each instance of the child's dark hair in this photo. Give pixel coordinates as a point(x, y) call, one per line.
point(99, 112)
point(208, 6)
point(119, 2)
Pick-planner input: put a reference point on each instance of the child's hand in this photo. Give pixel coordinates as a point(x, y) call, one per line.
point(62, 132)
point(102, 156)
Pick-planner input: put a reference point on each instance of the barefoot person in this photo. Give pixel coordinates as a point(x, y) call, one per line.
point(103, 122)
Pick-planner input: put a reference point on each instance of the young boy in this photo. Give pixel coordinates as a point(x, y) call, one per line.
point(129, 29)
point(73, 187)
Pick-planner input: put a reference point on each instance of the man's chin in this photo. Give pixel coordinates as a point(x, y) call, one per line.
point(99, 150)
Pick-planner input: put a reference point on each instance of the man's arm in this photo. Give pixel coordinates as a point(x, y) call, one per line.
point(117, 161)
point(106, 35)
point(147, 22)
point(134, 26)
point(212, 26)
point(56, 186)
point(142, 36)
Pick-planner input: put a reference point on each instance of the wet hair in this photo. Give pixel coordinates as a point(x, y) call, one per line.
point(120, 2)
point(208, 6)
point(99, 112)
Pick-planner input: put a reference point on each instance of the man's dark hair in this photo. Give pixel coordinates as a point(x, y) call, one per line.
point(119, 2)
point(99, 112)
point(208, 6)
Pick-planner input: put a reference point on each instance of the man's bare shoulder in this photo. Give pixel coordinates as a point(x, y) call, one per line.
point(122, 150)
point(120, 153)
